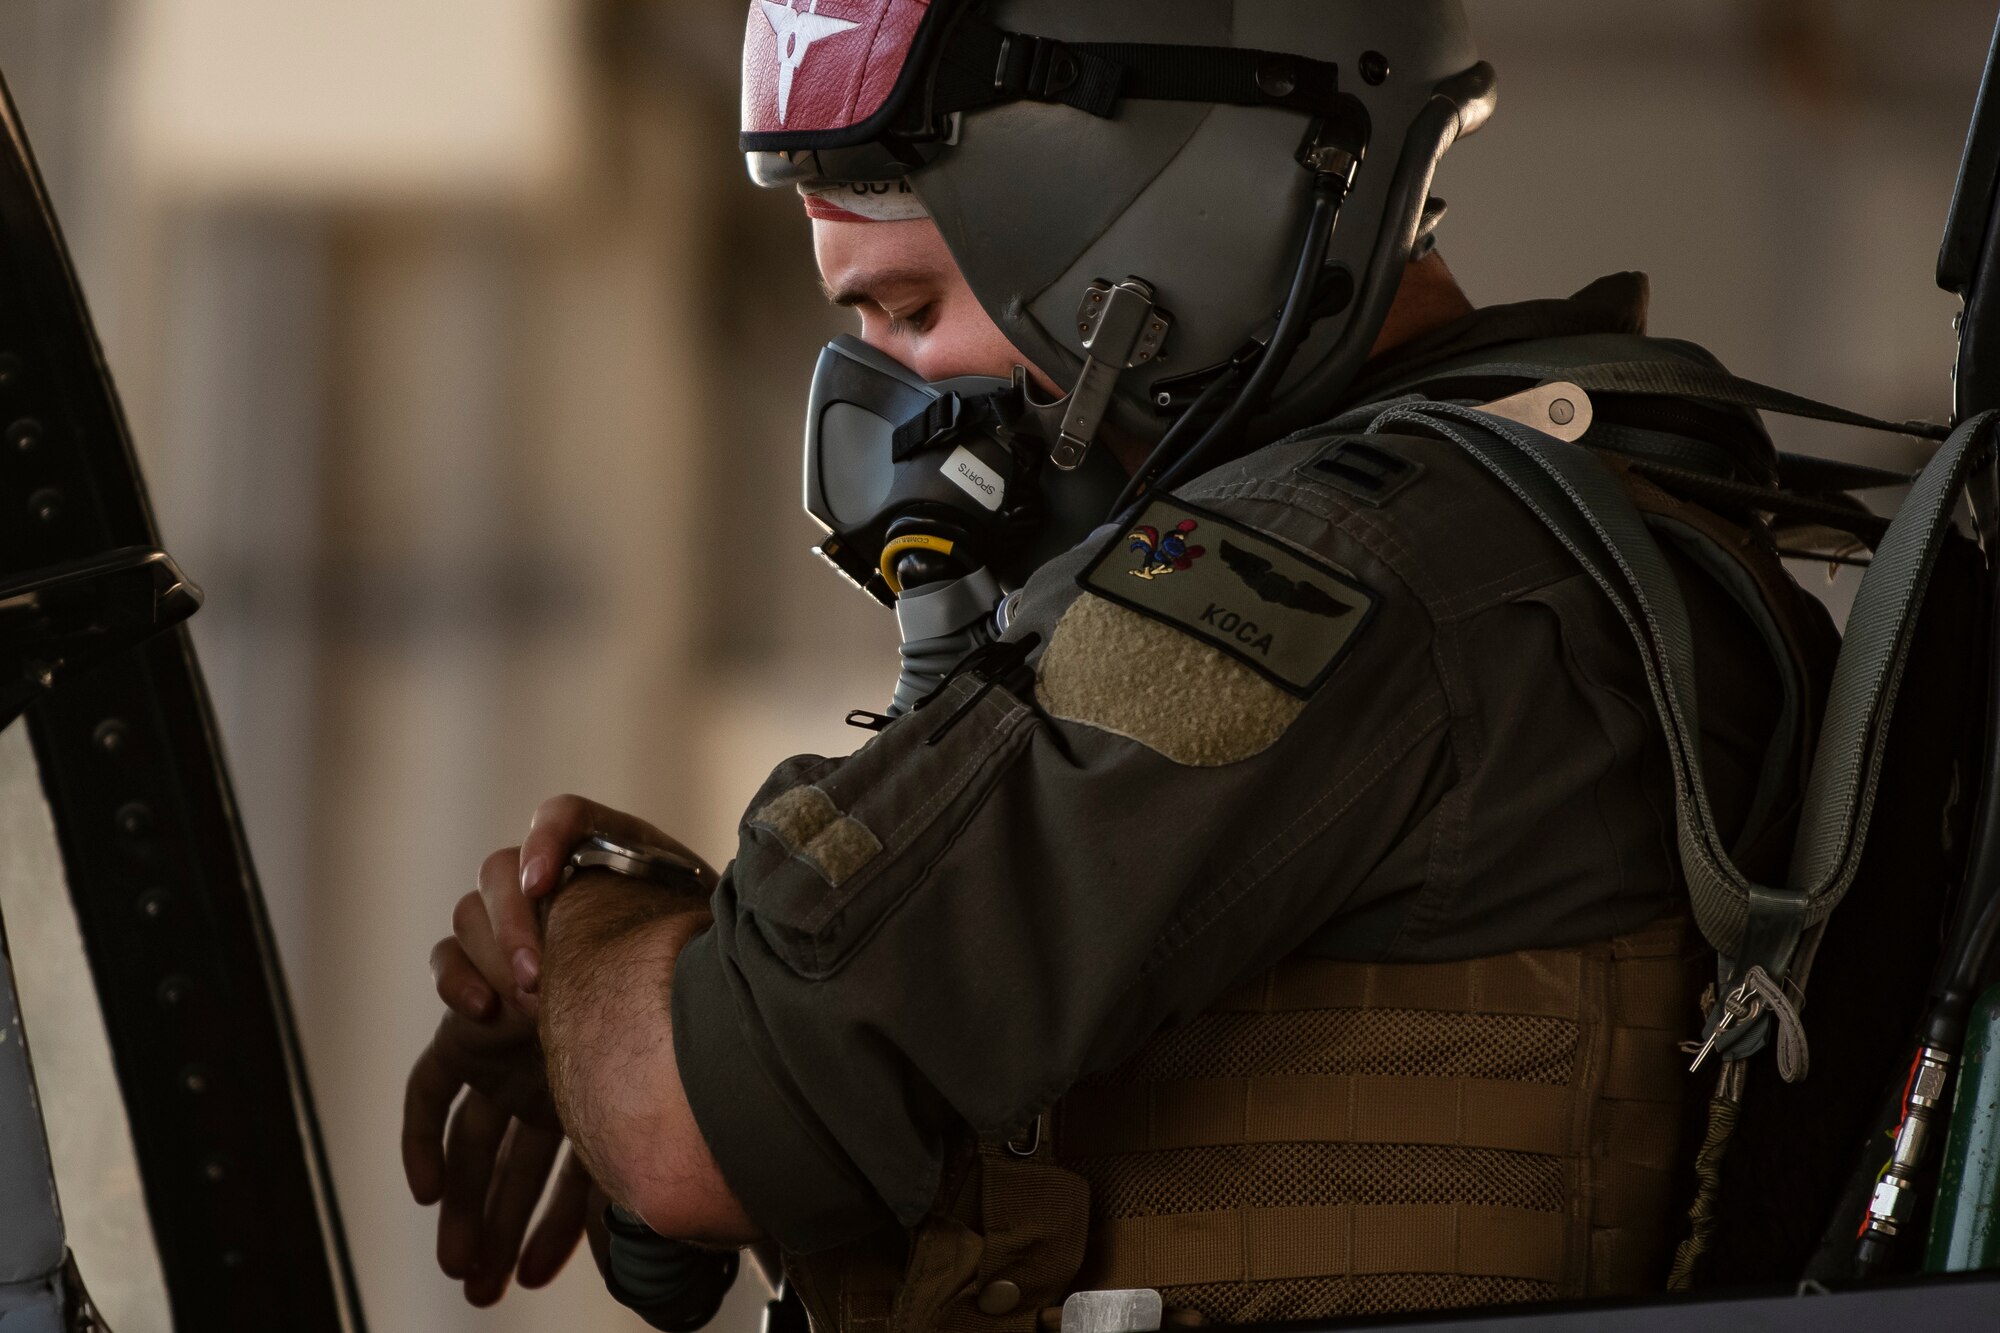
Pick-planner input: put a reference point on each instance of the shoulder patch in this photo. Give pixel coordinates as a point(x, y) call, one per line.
point(1287, 616)
point(1111, 668)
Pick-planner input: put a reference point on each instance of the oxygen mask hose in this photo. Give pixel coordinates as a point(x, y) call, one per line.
point(941, 622)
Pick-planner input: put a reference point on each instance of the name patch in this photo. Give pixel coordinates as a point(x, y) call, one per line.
point(1286, 615)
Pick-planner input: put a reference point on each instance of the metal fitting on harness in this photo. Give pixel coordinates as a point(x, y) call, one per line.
point(1742, 1008)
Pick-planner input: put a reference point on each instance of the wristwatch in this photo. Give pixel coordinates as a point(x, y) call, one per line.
point(637, 860)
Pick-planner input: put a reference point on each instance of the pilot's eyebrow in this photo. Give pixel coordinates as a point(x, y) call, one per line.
point(860, 289)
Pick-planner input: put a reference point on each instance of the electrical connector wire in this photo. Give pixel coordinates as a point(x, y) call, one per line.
point(1329, 191)
point(1164, 450)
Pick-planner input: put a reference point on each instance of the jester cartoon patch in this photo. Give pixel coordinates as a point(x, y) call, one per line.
point(1285, 614)
point(1164, 555)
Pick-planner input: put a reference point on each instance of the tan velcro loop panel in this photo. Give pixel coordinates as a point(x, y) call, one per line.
point(1664, 938)
point(1191, 1113)
point(1111, 668)
point(1650, 974)
point(840, 849)
point(797, 816)
point(1539, 984)
point(811, 827)
point(1653, 993)
point(1275, 1244)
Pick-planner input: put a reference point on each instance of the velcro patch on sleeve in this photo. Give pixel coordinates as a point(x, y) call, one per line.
point(1111, 668)
point(1287, 616)
point(811, 827)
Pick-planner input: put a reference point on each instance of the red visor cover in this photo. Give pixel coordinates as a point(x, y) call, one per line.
point(810, 66)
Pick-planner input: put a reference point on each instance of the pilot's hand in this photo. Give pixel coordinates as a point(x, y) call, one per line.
point(560, 823)
point(494, 1162)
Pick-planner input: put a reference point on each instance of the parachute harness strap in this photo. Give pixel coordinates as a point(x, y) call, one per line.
point(1676, 379)
point(1586, 507)
point(1753, 928)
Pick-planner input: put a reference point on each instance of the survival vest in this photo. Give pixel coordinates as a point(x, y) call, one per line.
point(1441, 1134)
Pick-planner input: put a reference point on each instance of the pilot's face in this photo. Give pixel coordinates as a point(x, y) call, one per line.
point(913, 302)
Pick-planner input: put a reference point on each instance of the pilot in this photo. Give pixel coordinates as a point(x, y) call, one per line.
point(1273, 902)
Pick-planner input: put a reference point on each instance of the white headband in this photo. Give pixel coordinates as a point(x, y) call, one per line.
point(863, 201)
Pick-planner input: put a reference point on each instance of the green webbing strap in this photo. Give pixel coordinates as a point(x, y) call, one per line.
point(1777, 773)
point(1808, 472)
point(1715, 492)
point(1585, 507)
point(1670, 377)
point(1840, 793)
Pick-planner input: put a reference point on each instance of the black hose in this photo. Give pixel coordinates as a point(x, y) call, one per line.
point(1293, 321)
point(1163, 451)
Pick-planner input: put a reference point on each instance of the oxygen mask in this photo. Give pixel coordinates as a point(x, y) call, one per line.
point(940, 499)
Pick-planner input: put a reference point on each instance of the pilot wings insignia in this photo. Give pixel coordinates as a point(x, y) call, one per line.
point(1258, 575)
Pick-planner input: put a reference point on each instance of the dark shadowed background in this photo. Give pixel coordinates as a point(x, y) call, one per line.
point(468, 371)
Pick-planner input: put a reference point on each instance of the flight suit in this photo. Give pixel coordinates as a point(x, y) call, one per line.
point(1285, 913)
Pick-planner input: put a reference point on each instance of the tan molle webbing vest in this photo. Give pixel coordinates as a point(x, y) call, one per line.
point(1335, 1138)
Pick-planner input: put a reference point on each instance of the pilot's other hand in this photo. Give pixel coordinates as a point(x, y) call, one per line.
point(560, 823)
point(495, 1159)
point(489, 1161)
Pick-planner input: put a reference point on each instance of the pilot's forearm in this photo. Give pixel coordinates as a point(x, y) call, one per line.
point(606, 1028)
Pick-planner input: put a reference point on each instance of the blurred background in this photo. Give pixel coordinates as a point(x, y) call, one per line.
point(467, 369)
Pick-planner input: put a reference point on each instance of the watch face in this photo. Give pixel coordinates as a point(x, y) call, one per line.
point(640, 862)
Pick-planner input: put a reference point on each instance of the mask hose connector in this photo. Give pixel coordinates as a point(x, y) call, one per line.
point(940, 624)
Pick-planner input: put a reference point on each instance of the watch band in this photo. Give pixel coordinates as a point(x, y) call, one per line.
point(637, 861)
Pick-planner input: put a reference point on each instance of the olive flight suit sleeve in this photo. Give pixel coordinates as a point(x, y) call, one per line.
point(1233, 732)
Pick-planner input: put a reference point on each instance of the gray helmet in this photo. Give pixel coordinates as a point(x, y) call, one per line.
point(1192, 146)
